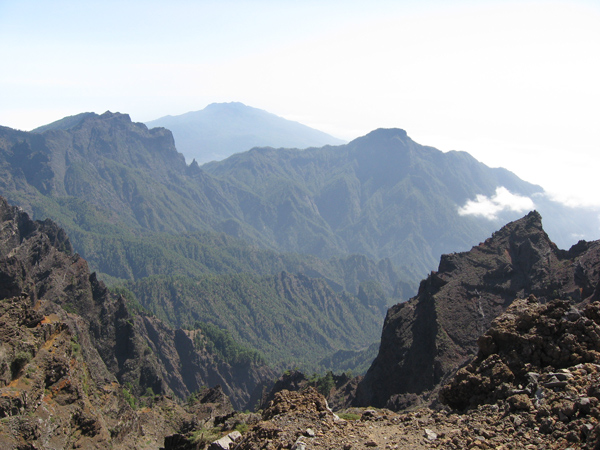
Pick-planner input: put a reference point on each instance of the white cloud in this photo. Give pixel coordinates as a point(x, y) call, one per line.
point(502, 200)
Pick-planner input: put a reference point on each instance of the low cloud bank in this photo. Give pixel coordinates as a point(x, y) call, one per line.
point(490, 207)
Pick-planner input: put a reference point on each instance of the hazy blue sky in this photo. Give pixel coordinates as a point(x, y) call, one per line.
point(513, 83)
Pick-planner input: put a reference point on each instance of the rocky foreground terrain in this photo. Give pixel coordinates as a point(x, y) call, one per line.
point(535, 384)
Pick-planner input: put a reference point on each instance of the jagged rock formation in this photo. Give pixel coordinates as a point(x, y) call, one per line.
point(78, 358)
point(427, 338)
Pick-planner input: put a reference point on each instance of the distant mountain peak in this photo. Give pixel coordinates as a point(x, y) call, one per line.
point(383, 135)
point(387, 133)
point(222, 129)
point(229, 105)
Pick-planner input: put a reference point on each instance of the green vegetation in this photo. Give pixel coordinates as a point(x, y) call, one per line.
point(220, 342)
point(290, 319)
point(324, 384)
point(75, 346)
point(205, 436)
point(69, 308)
point(241, 427)
point(129, 397)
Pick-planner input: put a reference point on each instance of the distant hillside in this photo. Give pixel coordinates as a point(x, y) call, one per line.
point(291, 319)
point(386, 196)
point(222, 129)
point(135, 209)
point(382, 195)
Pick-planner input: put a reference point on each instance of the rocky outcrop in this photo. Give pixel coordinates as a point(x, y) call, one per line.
point(427, 338)
point(539, 364)
point(289, 417)
point(339, 390)
point(76, 362)
point(531, 345)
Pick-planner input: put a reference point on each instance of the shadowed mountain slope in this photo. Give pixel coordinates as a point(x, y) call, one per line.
point(118, 341)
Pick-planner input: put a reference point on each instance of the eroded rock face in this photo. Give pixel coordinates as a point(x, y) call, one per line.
point(55, 391)
point(75, 361)
point(427, 338)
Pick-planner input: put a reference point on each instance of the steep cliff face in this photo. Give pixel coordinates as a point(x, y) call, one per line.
point(133, 175)
point(70, 349)
point(430, 336)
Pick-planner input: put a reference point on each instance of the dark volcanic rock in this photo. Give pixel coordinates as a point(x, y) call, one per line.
point(427, 338)
point(538, 366)
point(527, 340)
point(36, 262)
point(75, 361)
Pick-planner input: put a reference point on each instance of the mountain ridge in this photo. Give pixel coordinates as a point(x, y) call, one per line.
point(131, 204)
point(382, 195)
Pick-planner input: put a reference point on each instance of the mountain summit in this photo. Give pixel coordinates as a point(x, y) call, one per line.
point(222, 129)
